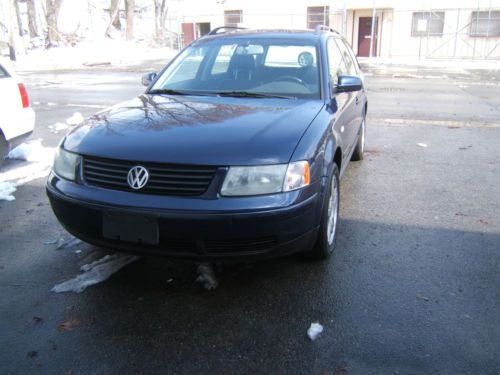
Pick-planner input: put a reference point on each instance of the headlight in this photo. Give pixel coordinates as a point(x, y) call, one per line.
point(265, 179)
point(65, 164)
point(297, 175)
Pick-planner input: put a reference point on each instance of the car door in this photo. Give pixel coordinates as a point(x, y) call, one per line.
point(344, 116)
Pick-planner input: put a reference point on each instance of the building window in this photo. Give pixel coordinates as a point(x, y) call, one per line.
point(427, 24)
point(318, 16)
point(485, 23)
point(233, 17)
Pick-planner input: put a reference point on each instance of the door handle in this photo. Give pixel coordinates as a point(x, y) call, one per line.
point(357, 100)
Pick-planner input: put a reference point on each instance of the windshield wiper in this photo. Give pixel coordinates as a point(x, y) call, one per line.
point(169, 92)
point(249, 94)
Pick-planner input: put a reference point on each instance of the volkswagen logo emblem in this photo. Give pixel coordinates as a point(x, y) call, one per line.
point(137, 177)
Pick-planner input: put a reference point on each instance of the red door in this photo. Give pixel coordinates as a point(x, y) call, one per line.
point(364, 36)
point(187, 33)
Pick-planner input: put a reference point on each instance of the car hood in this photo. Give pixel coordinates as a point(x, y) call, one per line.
point(196, 130)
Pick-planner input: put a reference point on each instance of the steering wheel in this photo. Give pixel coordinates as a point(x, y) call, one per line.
point(290, 79)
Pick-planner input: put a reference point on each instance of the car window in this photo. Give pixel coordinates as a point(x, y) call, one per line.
point(189, 69)
point(221, 63)
point(290, 56)
point(336, 64)
point(350, 66)
point(269, 67)
point(353, 56)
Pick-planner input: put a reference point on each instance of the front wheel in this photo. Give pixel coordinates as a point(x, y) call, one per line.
point(360, 145)
point(327, 236)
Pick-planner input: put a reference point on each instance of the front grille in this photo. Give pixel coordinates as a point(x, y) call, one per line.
point(164, 179)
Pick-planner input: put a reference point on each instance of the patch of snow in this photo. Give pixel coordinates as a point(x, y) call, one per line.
point(58, 127)
point(40, 159)
point(6, 190)
point(65, 244)
point(206, 276)
point(33, 151)
point(423, 145)
point(76, 119)
point(90, 53)
point(95, 272)
point(314, 331)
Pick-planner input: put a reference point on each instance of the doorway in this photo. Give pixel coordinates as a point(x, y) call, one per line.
point(202, 28)
point(364, 36)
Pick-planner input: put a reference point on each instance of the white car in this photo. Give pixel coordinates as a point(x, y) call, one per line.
point(17, 119)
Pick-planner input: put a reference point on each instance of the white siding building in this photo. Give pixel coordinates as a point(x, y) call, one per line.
point(427, 29)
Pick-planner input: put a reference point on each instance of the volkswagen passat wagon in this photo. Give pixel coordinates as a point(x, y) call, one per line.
point(234, 150)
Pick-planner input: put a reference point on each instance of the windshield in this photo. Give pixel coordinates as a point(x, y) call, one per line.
point(244, 67)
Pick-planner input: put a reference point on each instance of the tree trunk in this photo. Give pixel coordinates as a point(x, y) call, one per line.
point(114, 17)
point(20, 28)
point(129, 9)
point(115, 14)
point(160, 17)
point(53, 8)
point(32, 27)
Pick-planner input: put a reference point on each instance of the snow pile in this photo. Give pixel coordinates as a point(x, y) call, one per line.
point(314, 331)
point(33, 151)
point(75, 119)
point(6, 191)
point(206, 276)
point(58, 127)
point(41, 160)
point(95, 272)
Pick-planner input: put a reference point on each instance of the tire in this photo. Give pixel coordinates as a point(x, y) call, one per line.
point(3, 148)
point(327, 235)
point(360, 145)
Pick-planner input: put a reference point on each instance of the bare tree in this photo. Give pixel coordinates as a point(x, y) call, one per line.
point(161, 11)
point(32, 26)
point(52, 14)
point(129, 10)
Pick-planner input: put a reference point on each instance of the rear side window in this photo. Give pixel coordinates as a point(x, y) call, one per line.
point(290, 56)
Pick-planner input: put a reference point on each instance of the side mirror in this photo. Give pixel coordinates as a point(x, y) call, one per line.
point(349, 84)
point(148, 78)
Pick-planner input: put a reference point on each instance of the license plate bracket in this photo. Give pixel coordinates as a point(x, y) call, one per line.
point(134, 228)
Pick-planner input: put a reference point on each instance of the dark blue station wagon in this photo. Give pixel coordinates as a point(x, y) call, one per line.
point(234, 150)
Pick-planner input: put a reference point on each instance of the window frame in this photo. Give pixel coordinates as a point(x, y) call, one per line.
point(429, 16)
point(233, 13)
point(473, 33)
point(325, 13)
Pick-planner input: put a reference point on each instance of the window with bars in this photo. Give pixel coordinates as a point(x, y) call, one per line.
point(318, 16)
point(233, 17)
point(427, 24)
point(485, 23)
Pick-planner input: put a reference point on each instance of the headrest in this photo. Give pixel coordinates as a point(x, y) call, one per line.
point(242, 62)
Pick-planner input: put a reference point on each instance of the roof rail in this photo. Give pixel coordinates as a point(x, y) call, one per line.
point(217, 29)
point(322, 28)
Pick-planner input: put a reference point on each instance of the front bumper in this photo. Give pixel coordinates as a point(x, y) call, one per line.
point(251, 227)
